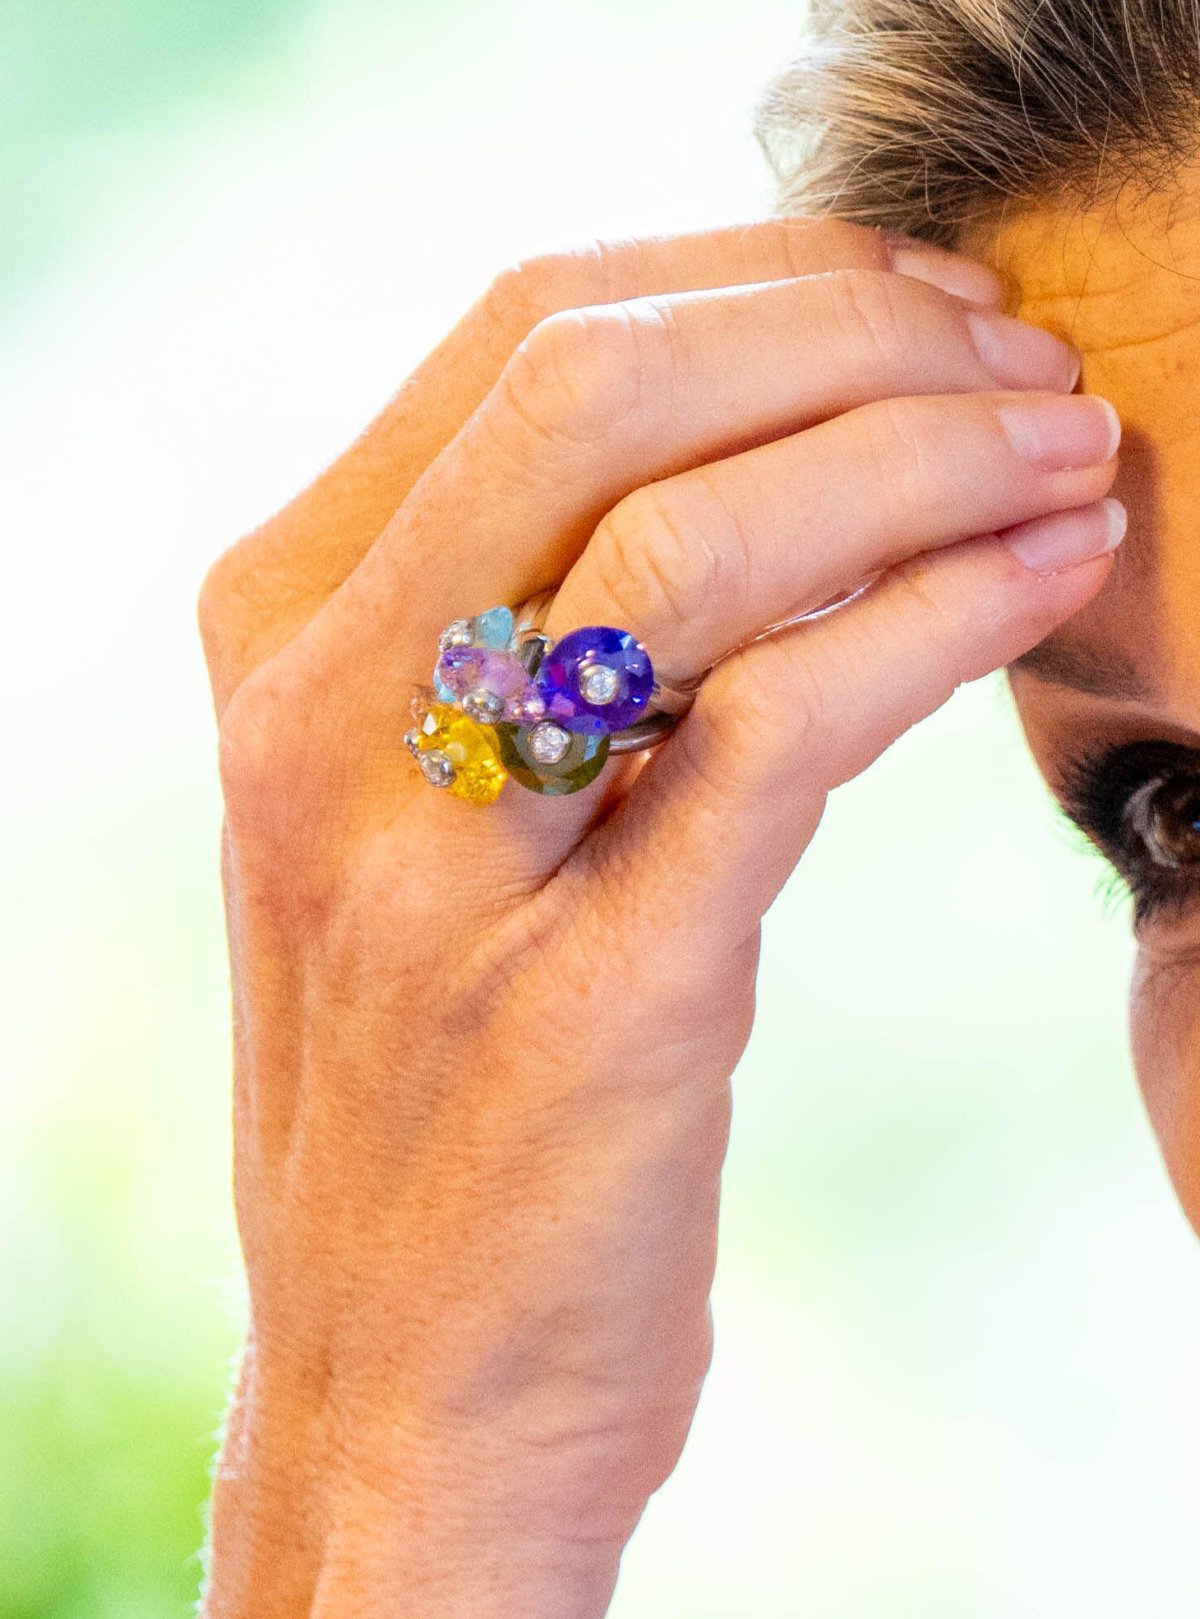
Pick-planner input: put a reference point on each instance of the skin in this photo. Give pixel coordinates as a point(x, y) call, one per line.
point(1122, 281)
point(483, 1057)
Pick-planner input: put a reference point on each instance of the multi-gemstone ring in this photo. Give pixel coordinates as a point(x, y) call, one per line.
point(506, 700)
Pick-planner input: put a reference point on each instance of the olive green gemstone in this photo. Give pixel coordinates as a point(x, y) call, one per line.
point(581, 764)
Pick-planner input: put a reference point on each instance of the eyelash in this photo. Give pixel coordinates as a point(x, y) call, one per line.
point(1100, 794)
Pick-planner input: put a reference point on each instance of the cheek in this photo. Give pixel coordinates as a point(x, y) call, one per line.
point(1165, 1031)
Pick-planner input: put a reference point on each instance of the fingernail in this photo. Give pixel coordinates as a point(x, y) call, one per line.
point(1022, 356)
point(965, 278)
point(1056, 434)
point(1065, 539)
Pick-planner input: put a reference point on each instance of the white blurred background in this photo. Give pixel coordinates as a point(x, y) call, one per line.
point(958, 1313)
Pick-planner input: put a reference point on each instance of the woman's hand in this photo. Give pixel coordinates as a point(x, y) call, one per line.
point(483, 1057)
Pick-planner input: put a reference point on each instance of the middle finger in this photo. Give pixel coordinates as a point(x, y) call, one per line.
point(600, 402)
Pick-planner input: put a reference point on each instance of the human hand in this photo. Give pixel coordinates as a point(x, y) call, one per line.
point(483, 1056)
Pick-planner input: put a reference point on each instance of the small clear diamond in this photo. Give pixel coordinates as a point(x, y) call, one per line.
point(457, 633)
point(483, 706)
point(549, 743)
point(410, 741)
point(436, 768)
point(598, 683)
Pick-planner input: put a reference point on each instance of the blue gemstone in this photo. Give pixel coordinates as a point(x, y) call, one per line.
point(596, 680)
point(494, 628)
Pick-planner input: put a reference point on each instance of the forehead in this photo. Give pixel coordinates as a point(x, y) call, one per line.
point(1123, 283)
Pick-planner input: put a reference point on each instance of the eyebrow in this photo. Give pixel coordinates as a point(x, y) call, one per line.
point(1063, 663)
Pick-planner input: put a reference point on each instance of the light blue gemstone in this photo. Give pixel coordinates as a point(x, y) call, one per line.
point(494, 628)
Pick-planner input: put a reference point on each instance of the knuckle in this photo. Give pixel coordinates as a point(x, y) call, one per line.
point(272, 780)
point(749, 709)
point(943, 625)
point(212, 604)
point(220, 597)
point(250, 750)
point(521, 294)
point(868, 312)
point(656, 561)
point(532, 289)
point(722, 532)
point(764, 705)
point(246, 606)
point(228, 609)
point(577, 377)
point(900, 453)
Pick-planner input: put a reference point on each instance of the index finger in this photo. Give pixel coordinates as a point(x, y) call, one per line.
point(270, 584)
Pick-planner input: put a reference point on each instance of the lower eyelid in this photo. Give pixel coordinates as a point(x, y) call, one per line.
point(1149, 893)
point(1163, 894)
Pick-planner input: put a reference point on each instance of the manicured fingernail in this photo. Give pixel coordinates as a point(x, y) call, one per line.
point(965, 278)
point(1056, 434)
point(1022, 356)
point(1065, 539)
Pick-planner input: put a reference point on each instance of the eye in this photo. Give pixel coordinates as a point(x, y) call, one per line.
point(1165, 814)
point(1140, 805)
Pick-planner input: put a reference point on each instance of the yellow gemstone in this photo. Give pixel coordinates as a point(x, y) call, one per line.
point(473, 750)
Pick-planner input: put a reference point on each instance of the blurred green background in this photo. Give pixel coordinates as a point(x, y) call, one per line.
point(958, 1314)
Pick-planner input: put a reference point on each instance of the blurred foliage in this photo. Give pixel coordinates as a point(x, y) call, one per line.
point(116, 1250)
point(104, 1470)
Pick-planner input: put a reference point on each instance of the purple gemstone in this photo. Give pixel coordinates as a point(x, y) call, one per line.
point(457, 670)
point(464, 669)
point(527, 709)
point(596, 680)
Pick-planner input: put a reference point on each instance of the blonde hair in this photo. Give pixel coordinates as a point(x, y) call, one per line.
point(928, 116)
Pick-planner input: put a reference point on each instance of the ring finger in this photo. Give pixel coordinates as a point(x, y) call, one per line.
point(698, 564)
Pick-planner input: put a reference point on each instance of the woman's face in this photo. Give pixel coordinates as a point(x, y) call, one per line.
point(1111, 703)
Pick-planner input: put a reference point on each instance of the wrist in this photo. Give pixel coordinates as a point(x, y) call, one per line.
point(305, 1523)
